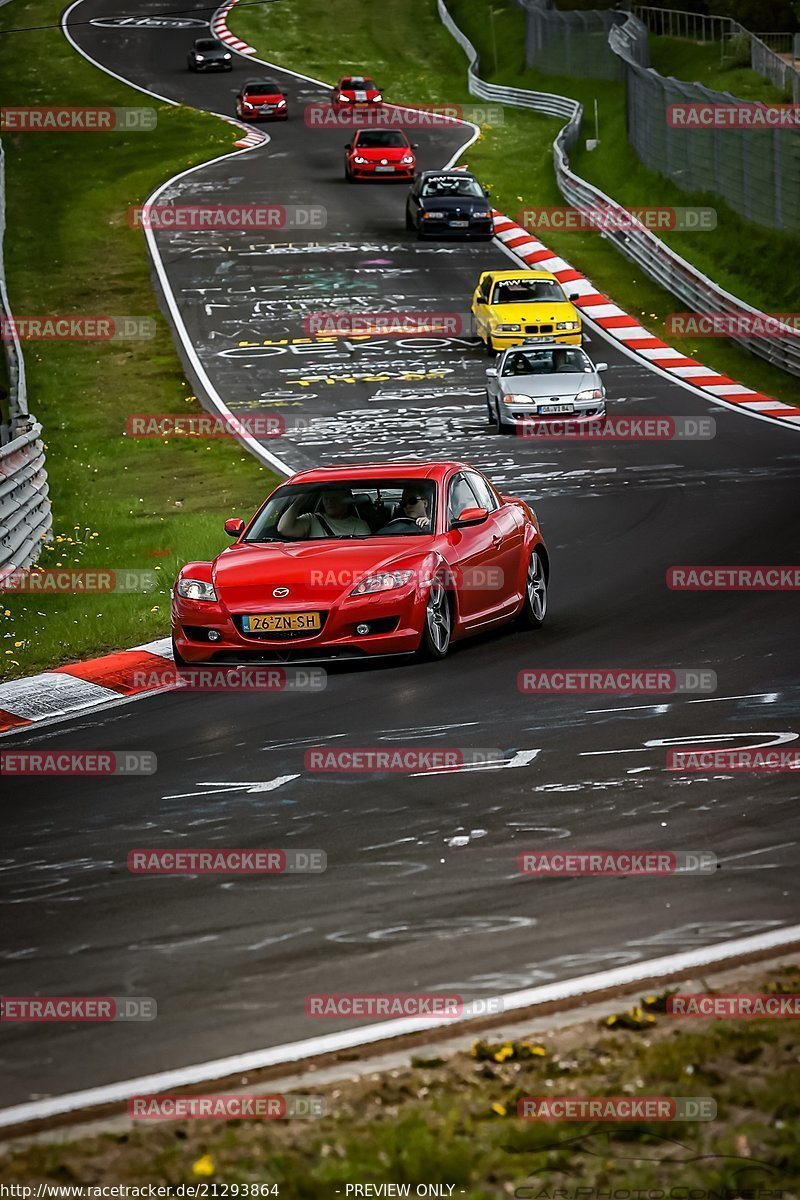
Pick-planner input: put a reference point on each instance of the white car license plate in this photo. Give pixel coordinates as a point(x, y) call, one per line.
point(384, 169)
point(459, 224)
point(556, 408)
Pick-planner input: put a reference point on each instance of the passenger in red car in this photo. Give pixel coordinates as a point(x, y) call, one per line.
point(335, 521)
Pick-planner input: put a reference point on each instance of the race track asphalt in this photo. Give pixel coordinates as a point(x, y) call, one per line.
point(421, 891)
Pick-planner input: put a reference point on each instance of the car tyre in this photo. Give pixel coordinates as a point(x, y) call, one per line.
point(437, 628)
point(534, 606)
point(409, 222)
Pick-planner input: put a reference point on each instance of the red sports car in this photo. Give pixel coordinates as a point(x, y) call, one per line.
point(356, 89)
point(349, 562)
point(375, 153)
point(262, 100)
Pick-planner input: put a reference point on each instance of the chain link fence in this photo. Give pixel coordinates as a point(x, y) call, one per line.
point(755, 170)
point(572, 43)
point(25, 516)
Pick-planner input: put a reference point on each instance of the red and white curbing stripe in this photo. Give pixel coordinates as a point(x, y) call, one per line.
point(615, 322)
point(84, 685)
point(219, 27)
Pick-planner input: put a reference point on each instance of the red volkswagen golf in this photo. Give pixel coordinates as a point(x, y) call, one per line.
point(376, 153)
point(349, 562)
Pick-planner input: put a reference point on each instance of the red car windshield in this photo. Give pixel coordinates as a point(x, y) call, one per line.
point(369, 139)
point(268, 88)
point(343, 509)
point(357, 85)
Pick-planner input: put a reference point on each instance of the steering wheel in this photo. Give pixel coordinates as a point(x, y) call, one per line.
point(399, 521)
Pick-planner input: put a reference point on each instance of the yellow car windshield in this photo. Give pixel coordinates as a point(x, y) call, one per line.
point(526, 291)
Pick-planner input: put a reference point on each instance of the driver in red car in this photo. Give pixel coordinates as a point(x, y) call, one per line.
point(335, 520)
point(415, 507)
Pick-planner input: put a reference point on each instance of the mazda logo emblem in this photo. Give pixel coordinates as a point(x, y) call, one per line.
point(279, 593)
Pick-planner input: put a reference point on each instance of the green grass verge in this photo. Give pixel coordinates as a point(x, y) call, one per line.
point(413, 58)
point(454, 1122)
point(117, 503)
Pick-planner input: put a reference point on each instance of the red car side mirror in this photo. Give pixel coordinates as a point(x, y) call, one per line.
point(470, 516)
point(234, 527)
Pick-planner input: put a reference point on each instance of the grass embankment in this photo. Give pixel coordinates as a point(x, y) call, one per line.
point(701, 62)
point(117, 502)
point(414, 59)
point(453, 1122)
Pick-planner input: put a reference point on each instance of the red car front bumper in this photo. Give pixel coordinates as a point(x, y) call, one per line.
point(394, 619)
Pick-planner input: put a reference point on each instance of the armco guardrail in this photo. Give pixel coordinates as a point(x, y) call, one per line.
point(25, 515)
point(661, 263)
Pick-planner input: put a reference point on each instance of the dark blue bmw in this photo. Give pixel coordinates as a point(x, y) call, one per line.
point(448, 204)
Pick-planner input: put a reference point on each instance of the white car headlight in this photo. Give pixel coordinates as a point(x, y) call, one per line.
point(226, 54)
point(281, 104)
point(518, 399)
point(384, 582)
point(590, 394)
point(568, 325)
point(361, 160)
point(434, 216)
point(199, 58)
point(407, 158)
point(344, 99)
point(195, 589)
point(507, 328)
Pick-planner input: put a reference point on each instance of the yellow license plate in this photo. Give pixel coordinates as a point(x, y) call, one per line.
point(282, 622)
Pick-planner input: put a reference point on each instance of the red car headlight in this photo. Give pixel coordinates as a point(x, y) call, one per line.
point(195, 589)
point(386, 581)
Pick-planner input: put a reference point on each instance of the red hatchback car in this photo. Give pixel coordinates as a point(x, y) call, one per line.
point(356, 89)
point(379, 153)
point(349, 562)
point(262, 100)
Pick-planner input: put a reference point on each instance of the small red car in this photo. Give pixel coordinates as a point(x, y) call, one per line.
point(379, 153)
point(349, 562)
point(262, 100)
point(356, 89)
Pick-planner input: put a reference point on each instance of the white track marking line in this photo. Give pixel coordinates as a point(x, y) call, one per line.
point(294, 1052)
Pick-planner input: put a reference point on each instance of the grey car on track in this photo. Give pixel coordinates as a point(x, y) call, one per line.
point(209, 54)
point(541, 381)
